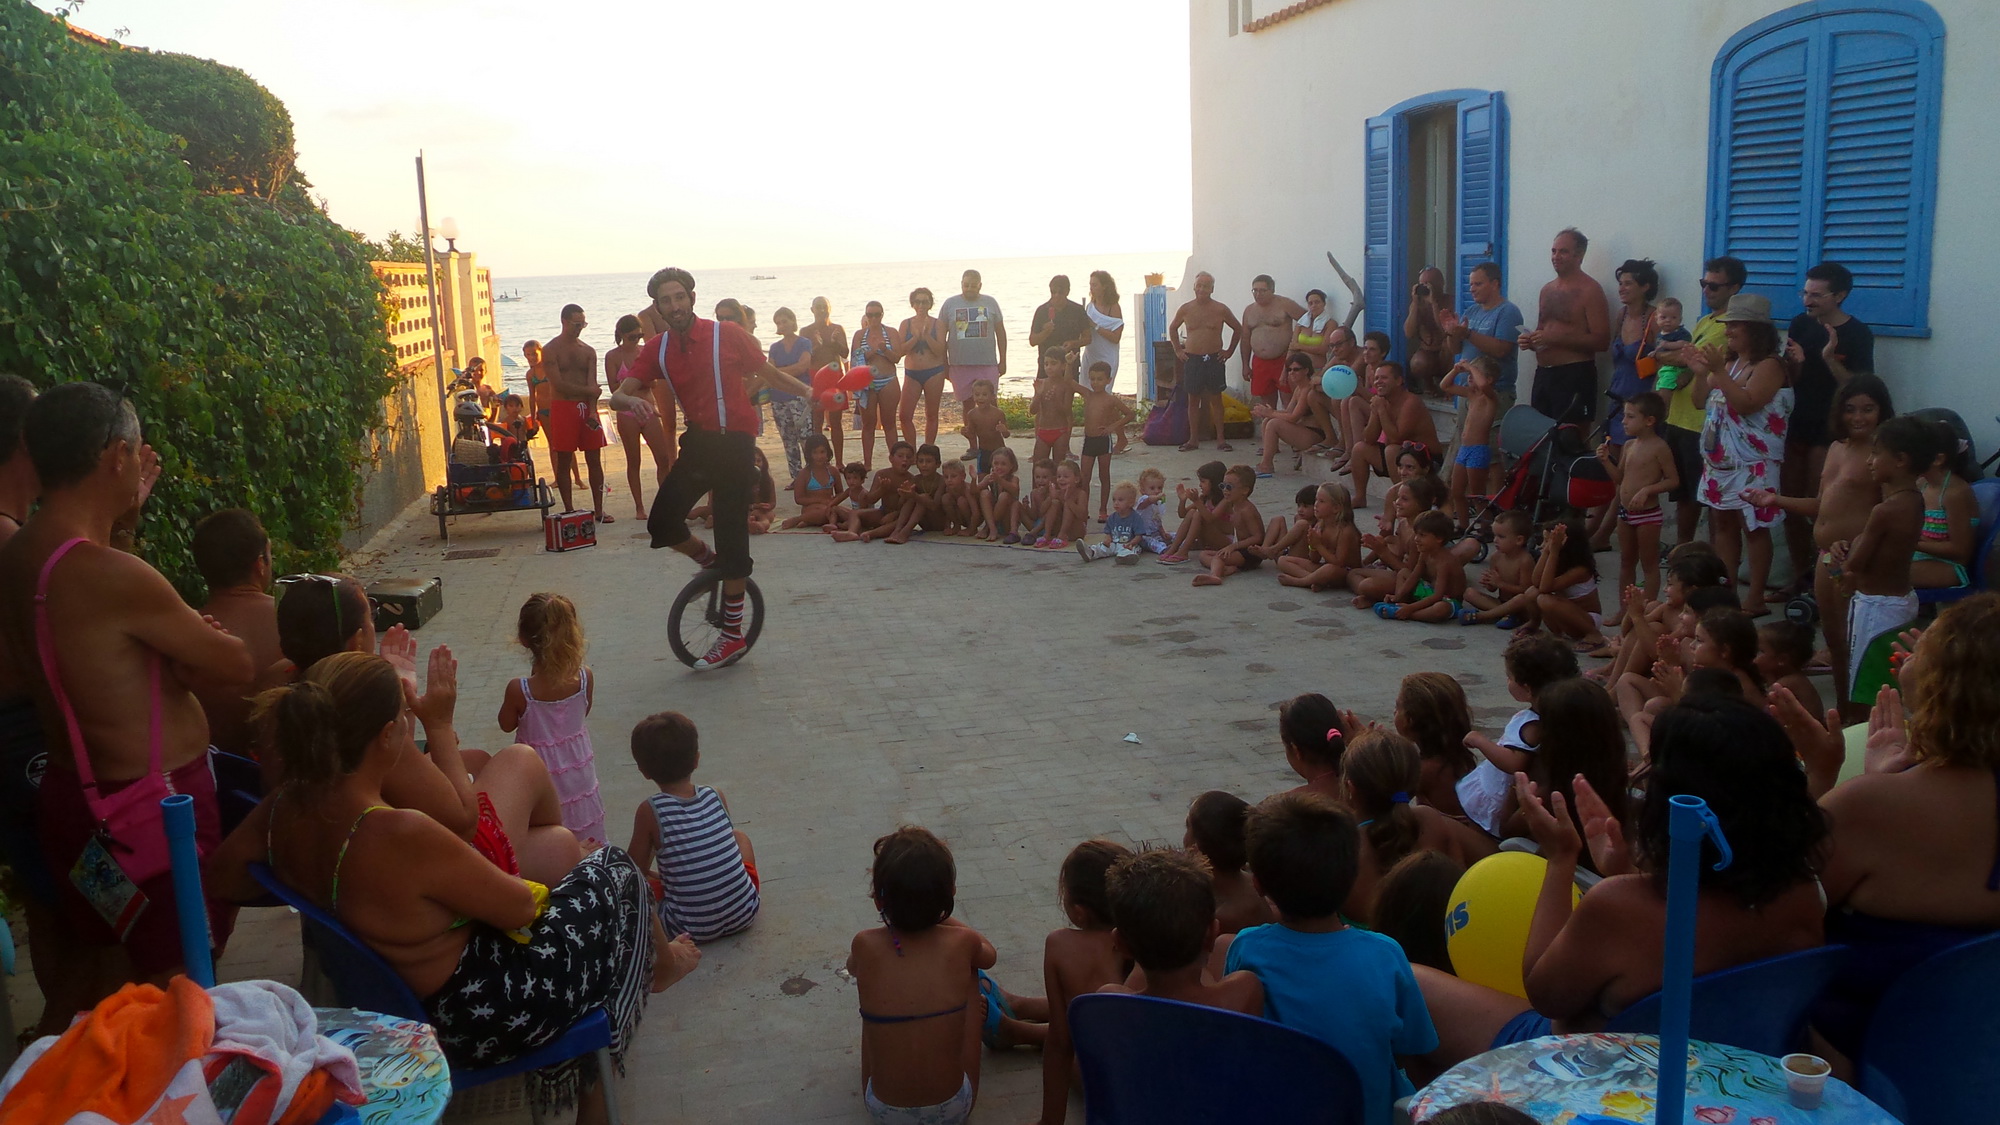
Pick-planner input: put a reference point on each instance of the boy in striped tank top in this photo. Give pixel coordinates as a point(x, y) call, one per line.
point(707, 872)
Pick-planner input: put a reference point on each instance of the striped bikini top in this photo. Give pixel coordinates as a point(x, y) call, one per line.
point(1936, 526)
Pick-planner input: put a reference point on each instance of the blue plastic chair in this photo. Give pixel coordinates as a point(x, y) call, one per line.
point(1935, 1032)
point(1759, 1007)
point(363, 980)
point(1163, 1062)
point(1987, 493)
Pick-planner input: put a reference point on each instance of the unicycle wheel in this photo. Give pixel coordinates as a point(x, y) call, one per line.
point(695, 621)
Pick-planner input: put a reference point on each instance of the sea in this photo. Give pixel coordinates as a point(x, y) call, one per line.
point(1019, 284)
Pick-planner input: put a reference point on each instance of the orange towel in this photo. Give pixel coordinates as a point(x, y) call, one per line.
point(118, 1059)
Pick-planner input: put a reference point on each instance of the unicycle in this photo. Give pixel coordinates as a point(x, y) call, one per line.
point(695, 621)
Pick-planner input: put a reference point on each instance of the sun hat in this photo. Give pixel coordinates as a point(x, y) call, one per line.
point(1747, 307)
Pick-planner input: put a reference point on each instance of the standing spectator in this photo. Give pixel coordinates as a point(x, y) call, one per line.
point(1107, 324)
point(791, 353)
point(1825, 347)
point(1309, 331)
point(233, 553)
point(1203, 358)
point(1268, 321)
point(1423, 326)
point(920, 345)
point(1742, 441)
point(975, 342)
point(875, 348)
point(644, 422)
point(1572, 327)
point(1632, 340)
point(574, 426)
point(1059, 325)
point(829, 345)
point(1721, 279)
point(1491, 326)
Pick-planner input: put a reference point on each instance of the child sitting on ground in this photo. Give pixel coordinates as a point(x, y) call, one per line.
point(763, 495)
point(1292, 538)
point(1567, 600)
point(1200, 530)
point(707, 870)
point(882, 508)
point(923, 504)
point(1311, 729)
point(1152, 535)
point(550, 707)
point(1077, 959)
point(1245, 525)
point(1034, 507)
point(960, 511)
point(1413, 462)
point(1533, 662)
point(1432, 712)
point(1345, 986)
point(1784, 648)
point(843, 518)
point(1429, 588)
point(1644, 471)
point(920, 976)
point(1120, 539)
point(1505, 592)
point(818, 490)
point(1875, 565)
point(1066, 511)
point(1580, 737)
point(998, 491)
point(1474, 382)
point(1163, 905)
point(985, 426)
point(1103, 412)
point(1333, 543)
point(1215, 829)
point(1636, 689)
point(1376, 578)
point(1055, 391)
point(1691, 566)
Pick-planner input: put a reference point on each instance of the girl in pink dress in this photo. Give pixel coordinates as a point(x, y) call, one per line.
point(550, 706)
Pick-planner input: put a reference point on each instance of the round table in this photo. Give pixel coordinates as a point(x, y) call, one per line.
point(403, 1070)
point(1578, 1079)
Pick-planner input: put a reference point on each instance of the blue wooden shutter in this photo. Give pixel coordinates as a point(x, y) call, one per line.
point(1379, 230)
point(1758, 197)
point(1482, 186)
point(1874, 219)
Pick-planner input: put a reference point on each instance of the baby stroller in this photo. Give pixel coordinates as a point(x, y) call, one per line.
point(1556, 474)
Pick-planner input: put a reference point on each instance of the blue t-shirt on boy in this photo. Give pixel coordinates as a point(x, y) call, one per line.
point(1350, 988)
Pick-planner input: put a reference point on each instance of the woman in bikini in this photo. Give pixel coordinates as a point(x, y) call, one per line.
point(875, 348)
point(633, 425)
point(920, 345)
point(1295, 425)
point(447, 921)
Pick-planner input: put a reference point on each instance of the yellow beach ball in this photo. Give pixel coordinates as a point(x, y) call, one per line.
point(1492, 907)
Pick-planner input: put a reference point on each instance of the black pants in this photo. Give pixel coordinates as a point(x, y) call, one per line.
point(710, 462)
point(1566, 392)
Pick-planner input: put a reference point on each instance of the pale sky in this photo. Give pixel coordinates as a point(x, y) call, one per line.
point(606, 136)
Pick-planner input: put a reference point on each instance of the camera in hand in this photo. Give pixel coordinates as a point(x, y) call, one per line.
point(1423, 290)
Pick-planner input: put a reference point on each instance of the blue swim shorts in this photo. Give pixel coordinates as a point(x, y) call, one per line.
point(1474, 456)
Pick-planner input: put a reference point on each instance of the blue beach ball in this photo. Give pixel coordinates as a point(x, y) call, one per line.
point(1338, 381)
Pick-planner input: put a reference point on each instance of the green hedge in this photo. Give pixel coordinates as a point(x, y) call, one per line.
point(237, 133)
point(249, 333)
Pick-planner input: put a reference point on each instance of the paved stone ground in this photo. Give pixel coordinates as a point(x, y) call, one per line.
point(981, 691)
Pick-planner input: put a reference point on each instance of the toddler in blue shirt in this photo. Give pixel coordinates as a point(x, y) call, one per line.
point(1346, 986)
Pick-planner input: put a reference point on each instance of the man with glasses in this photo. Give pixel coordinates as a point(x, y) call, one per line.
point(712, 367)
point(1571, 328)
point(1825, 347)
point(1268, 318)
point(1721, 279)
point(109, 649)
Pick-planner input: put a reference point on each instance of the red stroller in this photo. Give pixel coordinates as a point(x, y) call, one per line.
point(1555, 474)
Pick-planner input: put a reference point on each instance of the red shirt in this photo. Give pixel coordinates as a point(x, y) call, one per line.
point(707, 385)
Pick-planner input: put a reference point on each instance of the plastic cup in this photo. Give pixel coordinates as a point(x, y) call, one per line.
point(1805, 1079)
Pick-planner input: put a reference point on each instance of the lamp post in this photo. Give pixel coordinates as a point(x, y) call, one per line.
point(431, 289)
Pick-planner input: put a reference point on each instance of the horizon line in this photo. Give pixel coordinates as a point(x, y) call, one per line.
point(1183, 253)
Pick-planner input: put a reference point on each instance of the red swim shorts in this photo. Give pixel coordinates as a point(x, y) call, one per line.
point(574, 426)
point(1265, 373)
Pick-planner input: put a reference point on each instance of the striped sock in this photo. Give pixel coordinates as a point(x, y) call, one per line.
point(732, 614)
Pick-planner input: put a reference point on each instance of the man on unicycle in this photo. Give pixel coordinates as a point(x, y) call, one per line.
point(710, 368)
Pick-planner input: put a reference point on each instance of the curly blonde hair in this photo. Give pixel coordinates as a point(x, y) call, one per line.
point(549, 630)
point(1954, 711)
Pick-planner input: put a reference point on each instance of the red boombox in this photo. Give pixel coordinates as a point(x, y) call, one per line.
point(569, 531)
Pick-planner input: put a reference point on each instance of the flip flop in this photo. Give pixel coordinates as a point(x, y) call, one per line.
point(997, 1009)
point(1011, 539)
point(1508, 622)
point(1224, 447)
point(1385, 610)
point(1189, 447)
point(1265, 476)
point(1169, 560)
point(1468, 616)
point(607, 518)
point(1592, 650)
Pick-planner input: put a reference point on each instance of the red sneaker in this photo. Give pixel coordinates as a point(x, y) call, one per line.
point(725, 651)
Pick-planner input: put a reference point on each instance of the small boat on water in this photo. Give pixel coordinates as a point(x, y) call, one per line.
point(514, 296)
point(763, 277)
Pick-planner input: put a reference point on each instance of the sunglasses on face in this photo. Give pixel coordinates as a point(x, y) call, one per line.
point(1712, 286)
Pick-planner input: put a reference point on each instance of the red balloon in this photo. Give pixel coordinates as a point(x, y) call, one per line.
point(857, 378)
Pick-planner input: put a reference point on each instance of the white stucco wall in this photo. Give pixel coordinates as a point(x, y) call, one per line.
point(1608, 106)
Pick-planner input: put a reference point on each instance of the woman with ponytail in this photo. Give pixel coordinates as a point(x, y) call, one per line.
point(1379, 775)
point(457, 929)
point(503, 803)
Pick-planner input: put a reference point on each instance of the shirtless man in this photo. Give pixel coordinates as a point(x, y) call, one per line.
point(234, 556)
point(573, 422)
point(1204, 360)
point(1573, 326)
point(1268, 318)
point(127, 648)
point(1394, 416)
point(829, 345)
